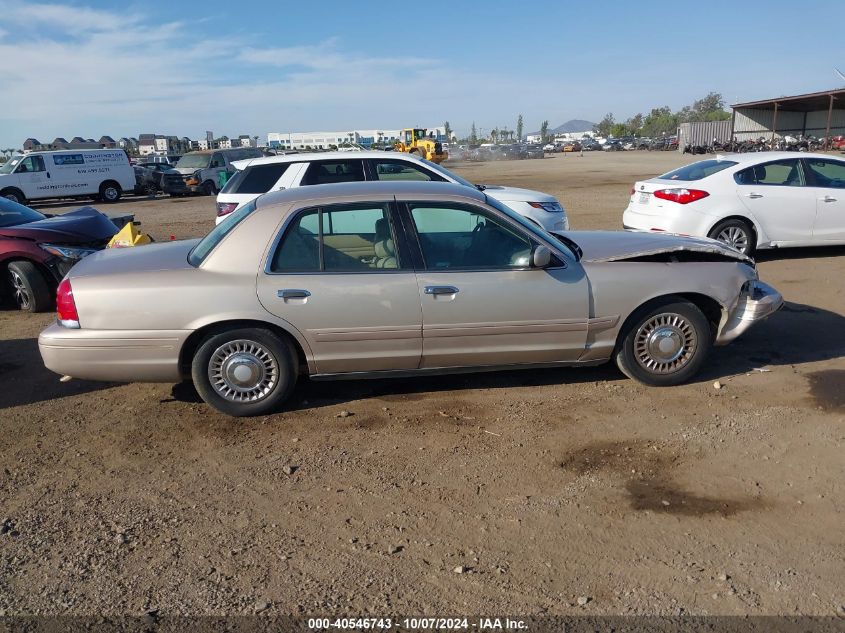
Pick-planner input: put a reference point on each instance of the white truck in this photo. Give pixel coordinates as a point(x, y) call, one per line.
point(80, 173)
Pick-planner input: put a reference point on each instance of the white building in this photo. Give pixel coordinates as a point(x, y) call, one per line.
point(325, 140)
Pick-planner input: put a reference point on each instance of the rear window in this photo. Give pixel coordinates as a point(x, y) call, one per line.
point(206, 245)
point(256, 178)
point(699, 170)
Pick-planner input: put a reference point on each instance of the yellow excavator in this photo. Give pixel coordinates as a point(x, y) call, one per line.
point(415, 141)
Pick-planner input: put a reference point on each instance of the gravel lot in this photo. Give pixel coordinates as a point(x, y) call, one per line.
point(520, 492)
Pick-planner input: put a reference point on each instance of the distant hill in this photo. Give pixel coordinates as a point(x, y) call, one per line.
point(573, 125)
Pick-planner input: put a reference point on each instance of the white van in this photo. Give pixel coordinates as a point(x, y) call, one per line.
point(101, 173)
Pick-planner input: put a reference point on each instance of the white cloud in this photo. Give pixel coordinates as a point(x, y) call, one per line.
point(79, 71)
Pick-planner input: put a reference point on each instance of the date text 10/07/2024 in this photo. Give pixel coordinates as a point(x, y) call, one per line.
point(479, 624)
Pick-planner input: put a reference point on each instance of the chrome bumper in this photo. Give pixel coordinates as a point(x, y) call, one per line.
point(757, 301)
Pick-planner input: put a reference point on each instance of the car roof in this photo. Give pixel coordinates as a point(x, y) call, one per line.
point(307, 157)
point(401, 189)
point(765, 157)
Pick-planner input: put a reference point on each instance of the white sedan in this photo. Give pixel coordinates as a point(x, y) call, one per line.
point(274, 173)
point(748, 201)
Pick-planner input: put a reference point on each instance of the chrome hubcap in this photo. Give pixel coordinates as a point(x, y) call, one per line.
point(110, 193)
point(665, 343)
point(735, 237)
point(243, 371)
point(20, 291)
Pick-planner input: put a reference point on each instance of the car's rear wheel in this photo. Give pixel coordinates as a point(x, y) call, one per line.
point(244, 372)
point(665, 344)
point(737, 234)
point(13, 194)
point(110, 191)
point(29, 288)
point(208, 188)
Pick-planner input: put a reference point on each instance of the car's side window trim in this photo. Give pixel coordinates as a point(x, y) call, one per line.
point(278, 241)
point(531, 239)
point(799, 163)
point(372, 172)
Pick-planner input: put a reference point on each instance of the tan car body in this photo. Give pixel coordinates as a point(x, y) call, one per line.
point(143, 311)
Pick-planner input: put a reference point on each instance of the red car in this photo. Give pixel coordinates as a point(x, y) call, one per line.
point(37, 250)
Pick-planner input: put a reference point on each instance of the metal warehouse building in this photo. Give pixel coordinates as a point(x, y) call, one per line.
point(819, 114)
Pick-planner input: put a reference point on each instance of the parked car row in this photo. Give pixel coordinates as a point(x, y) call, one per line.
point(394, 278)
point(366, 264)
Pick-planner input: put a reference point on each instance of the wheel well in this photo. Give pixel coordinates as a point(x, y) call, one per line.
point(711, 309)
point(741, 219)
point(45, 272)
point(186, 354)
point(5, 189)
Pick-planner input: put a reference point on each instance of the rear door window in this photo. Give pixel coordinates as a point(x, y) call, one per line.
point(340, 238)
point(784, 173)
point(256, 178)
point(326, 172)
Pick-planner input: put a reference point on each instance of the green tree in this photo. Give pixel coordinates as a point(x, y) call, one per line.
point(619, 129)
point(519, 127)
point(494, 134)
point(447, 130)
point(473, 135)
point(603, 127)
point(544, 131)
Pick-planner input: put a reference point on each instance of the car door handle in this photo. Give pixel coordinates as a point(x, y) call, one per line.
point(828, 199)
point(292, 293)
point(754, 196)
point(441, 290)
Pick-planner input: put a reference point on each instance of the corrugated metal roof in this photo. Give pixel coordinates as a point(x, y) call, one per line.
point(799, 103)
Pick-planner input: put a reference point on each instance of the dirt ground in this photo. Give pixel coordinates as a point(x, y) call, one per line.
point(517, 492)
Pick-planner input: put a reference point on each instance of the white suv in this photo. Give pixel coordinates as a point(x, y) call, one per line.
point(272, 173)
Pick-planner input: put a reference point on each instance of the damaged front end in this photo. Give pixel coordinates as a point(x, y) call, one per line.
point(756, 301)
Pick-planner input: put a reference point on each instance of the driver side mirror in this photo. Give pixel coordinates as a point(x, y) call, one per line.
point(541, 257)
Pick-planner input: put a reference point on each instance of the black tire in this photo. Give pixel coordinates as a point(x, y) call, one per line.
point(263, 353)
point(14, 194)
point(30, 291)
point(641, 355)
point(737, 234)
point(208, 188)
point(110, 192)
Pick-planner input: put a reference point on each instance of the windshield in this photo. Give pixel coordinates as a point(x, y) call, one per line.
point(531, 227)
point(194, 161)
point(9, 166)
point(12, 214)
point(699, 170)
point(206, 245)
point(450, 175)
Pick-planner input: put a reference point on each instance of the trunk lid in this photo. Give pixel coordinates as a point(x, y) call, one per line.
point(137, 259)
point(515, 194)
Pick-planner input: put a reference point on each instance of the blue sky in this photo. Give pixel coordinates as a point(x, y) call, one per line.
point(93, 68)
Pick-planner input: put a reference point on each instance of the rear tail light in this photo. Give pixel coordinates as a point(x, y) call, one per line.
point(66, 313)
point(225, 208)
point(681, 196)
point(633, 191)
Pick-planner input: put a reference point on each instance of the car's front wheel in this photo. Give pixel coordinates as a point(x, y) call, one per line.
point(665, 344)
point(29, 288)
point(244, 372)
point(736, 234)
